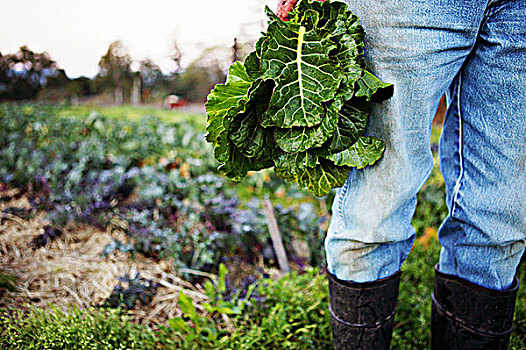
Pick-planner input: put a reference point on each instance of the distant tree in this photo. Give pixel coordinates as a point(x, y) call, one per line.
point(24, 73)
point(176, 56)
point(56, 88)
point(58, 80)
point(115, 70)
point(151, 74)
point(155, 84)
point(4, 69)
point(235, 51)
point(209, 69)
point(80, 87)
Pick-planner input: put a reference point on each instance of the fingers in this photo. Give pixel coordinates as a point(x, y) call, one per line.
point(285, 6)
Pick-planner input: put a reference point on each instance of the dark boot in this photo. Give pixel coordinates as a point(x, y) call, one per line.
point(467, 316)
point(362, 314)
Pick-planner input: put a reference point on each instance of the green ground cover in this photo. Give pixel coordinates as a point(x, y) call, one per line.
point(294, 316)
point(74, 164)
point(132, 113)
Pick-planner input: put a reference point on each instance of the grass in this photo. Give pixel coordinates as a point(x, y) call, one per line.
point(72, 329)
point(7, 283)
point(133, 113)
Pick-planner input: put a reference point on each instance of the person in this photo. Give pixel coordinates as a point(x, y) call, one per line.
point(475, 52)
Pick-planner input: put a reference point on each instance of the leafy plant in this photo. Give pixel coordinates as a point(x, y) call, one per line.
point(300, 102)
point(196, 330)
point(228, 299)
point(294, 316)
point(202, 333)
point(73, 329)
point(154, 181)
point(7, 283)
point(131, 291)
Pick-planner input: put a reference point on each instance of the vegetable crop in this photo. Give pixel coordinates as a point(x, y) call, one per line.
point(300, 102)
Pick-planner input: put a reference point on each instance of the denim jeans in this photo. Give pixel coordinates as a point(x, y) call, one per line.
point(475, 51)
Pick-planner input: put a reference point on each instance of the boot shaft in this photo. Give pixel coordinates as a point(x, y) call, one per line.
point(467, 316)
point(362, 314)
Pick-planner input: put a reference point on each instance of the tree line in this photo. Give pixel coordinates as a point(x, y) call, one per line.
point(28, 75)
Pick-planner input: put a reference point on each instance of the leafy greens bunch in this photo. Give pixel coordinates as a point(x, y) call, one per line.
point(300, 102)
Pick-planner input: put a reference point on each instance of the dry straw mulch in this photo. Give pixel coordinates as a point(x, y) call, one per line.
point(71, 270)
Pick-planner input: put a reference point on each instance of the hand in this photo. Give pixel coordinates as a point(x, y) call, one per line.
point(285, 6)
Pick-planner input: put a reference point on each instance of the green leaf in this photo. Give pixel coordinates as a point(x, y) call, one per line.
point(237, 164)
point(299, 139)
point(352, 121)
point(225, 100)
point(208, 307)
point(225, 310)
point(373, 89)
point(298, 61)
point(244, 145)
point(245, 130)
point(178, 325)
point(209, 289)
point(366, 151)
point(329, 16)
point(289, 165)
point(187, 305)
point(238, 73)
point(223, 271)
point(320, 179)
point(253, 60)
point(345, 31)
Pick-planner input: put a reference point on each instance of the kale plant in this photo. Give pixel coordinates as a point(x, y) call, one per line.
point(130, 291)
point(300, 102)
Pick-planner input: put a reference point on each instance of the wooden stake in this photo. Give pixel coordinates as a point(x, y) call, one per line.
point(277, 241)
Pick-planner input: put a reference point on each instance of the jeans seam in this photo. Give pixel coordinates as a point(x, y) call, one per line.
point(458, 183)
point(342, 193)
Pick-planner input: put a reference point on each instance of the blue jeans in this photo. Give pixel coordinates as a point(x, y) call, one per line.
point(475, 51)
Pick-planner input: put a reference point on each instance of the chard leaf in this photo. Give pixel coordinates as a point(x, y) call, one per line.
point(226, 99)
point(349, 57)
point(344, 29)
point(372, 88)
point(352, 121)
point(238, 164)
point(302, 138)
point(365, 151)
point(355, 30)
point(245, 145)
point(245, 131)
point(331, 16)
point(289, 165)
point(238, 73)
point(285, 175)
point(300, 102)
point(253, 60)
point(320, 179)
point(306, 76)
point(223, 148)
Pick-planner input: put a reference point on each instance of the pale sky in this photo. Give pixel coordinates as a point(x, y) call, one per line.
point(76, 33)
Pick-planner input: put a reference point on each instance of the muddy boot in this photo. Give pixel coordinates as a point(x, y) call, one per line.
point(467, 316)
point(362, 314)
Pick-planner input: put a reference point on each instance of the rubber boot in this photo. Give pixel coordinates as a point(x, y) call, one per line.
point(467, 316)
point(362, 314)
